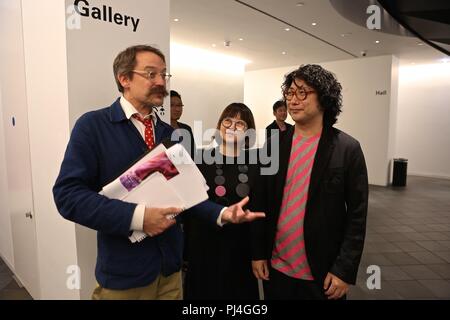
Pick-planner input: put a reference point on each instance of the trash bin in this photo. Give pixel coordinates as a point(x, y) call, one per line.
point(400, 172)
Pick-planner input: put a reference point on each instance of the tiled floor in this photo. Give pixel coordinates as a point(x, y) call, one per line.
point(408, 237)
point(9, 290)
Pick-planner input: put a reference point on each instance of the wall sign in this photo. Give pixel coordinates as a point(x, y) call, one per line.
point(106, 14)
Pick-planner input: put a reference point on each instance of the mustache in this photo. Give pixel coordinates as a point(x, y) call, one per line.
point(159, 90)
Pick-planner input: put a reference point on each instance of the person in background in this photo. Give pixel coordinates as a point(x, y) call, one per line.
point(103, 144)
point(219, 259)
point(176, 111)
point(279, 124)
point(310, 244)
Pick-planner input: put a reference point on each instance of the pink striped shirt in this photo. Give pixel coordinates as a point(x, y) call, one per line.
point(289, 254)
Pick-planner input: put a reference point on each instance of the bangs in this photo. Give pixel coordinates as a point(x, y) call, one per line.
point(238, 109)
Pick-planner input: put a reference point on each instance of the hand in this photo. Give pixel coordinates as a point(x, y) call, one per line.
point(157, 220)
point(336, 287)
point(235, 213)
point(260, 269)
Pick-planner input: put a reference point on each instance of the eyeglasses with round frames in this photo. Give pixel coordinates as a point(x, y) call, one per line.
point(300, 94)
point(240, 125)
point(151, 75)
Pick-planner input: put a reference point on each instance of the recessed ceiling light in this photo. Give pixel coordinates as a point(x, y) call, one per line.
point(413, 63)
point(377, 41)
point(176, 19)
point(343, 35)
point(287, 29)
point(420, 43)
point(214, 45)
point(241, 39)
point(300, 4)
point(284, 53)
point(314, 24)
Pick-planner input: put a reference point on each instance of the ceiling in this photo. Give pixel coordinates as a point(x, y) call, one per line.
point(262, 24)
point(428, 20)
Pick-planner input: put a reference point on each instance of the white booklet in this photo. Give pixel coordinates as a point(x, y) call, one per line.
point(163, 178)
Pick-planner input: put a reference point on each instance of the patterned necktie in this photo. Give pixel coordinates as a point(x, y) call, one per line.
point(148, 135)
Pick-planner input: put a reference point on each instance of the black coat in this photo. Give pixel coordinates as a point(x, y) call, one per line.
point(192, 148)
point(274, 126)
point(336, 209)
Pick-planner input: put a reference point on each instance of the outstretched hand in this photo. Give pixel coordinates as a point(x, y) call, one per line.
point(236, 213)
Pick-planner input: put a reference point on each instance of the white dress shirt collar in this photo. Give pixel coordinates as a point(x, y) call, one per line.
point(129, 110)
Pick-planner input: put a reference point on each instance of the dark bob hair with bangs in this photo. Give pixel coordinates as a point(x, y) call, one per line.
point(237, 108)
point(244, 112)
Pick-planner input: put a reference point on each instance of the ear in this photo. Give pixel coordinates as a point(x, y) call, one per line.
point(124, 81)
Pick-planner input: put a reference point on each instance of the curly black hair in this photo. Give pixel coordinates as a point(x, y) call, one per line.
point(329, 90)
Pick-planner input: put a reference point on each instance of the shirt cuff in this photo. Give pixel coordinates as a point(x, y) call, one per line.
point(219, 219)
point(137, 223)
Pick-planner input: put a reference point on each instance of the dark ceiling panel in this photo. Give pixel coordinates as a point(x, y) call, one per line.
point(429, 20)
point(438, 16)
point(408, 6)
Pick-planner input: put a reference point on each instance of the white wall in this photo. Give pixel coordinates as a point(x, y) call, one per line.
point(368, 117)
point(63, 74)
point(46, 74)
point(207, 83)
point(17, 145)
point(6, 243)
point(393, 115)
point(261, 89)
point(91, 50)
point(423, 135)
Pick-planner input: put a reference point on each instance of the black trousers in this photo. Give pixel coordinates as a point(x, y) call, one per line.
point(283, 287)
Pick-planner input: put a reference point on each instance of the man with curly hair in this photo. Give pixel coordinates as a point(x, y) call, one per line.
point(310, 243)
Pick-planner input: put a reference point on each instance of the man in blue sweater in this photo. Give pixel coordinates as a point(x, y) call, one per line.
point(103, 144)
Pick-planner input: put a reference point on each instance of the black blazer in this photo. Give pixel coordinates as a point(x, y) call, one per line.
point(274, 126)
point(192, 148)
point(336, 209)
